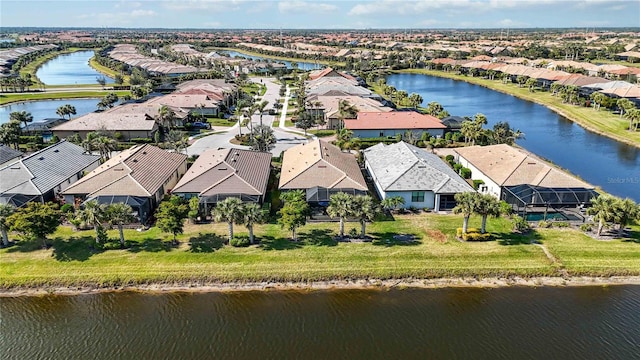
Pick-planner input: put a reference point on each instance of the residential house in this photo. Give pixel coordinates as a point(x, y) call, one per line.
point(522, 179)
point(221, 173)
point(128, 125)
point(390, 124)
point(42, 175)
point(330, 107)
point(320, 169)
point(152, 109)
point(8, 155)
point(421, 178)
point(139, 176)
point(453, 123)
point(201, 103)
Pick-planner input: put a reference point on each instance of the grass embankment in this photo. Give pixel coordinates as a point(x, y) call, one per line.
point(7, 98)
point(108, 72)
point(201, 257)
point(601, 122)
point(32, 67)
point(283, 58)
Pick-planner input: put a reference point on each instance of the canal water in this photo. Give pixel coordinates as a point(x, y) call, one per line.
point(301, 65)
point(70, 69)
point(509, 323)
point(43, 109)
point(601, 161)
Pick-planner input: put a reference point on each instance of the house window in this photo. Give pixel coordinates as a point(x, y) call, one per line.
point(417, 196)
point(381, 133)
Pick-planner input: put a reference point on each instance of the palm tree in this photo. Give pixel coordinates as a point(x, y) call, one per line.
point(602, 210)
point(624, 105)
point(5, 211)
point(486, 205)
point(262, 138)
point(415, 100)
point(166, 117)
point(22, 117)
point(634, 118)
point(434, 108)
point(392, 202)
point(94, 214)
point(340, 206)
point(364, 209)
point(105, 145)
point(252, 214)
point(120, 214)
point(466, 205)
point(625, 212)
point(229, 210)
point(260, 107)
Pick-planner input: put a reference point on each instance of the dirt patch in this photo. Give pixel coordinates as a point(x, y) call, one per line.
point(436, 235)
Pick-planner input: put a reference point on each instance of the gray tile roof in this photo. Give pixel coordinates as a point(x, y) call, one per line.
point(404, 167)
point(45, 169)
point(8, 154)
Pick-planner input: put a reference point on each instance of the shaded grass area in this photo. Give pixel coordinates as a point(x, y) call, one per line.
point(432, 251)
point(16, 97)
point(602, 122)
point(221, 122)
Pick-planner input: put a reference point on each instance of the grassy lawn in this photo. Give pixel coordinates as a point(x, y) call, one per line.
point(201, 256)
point(321, 132)
point(602, 122)
point(221, 122)
point(15, 97)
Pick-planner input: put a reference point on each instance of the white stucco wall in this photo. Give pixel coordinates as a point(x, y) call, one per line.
point(429, 199)
point(393, 132)
point(491, 186)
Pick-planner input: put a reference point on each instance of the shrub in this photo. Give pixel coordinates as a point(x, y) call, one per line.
point(476, 236)
point(240, 242)
point(118, 136)
point(457, 167)
point(560, 224)
point(353, 233)
point(477, 183)
point(449, 158)
point(544, 224)
point(469, 230)
point(520, 224)
point(67, 209)
point(465, 173)
point(586, 227)
point(141, 140)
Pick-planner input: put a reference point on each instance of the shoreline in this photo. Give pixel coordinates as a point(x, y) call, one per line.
point(331, 285)
point(558, 111)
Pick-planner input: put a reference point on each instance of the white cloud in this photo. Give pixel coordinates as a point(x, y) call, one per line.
point(137, 13)
point(117, 18)
point(304, 6)
point(511, 23)
point(218, 5)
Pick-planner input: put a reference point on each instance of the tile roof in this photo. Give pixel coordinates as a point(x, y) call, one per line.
point(8, 154)
point(508, 166)
point(227, 171)
point(111, 121)
point(404, 167)
point(42, 171)
point(138, 171)
point(319, 163)
point(393, 120)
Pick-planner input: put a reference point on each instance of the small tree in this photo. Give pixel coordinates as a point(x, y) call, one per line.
point(228, 210)
point(35, 220)
point(101, 80)
point(262, 138)
point(486, 205)
point(294, 212)
point(364, 209)
point(392, 203)
point(340, 206)
point(602, 210)
point(194, 209)
point(252, 214)
point(625, 212)
point(120, 214)
point(305, 121)
point(94, 214)
point(171, 215)
point(5, 211)
point(465, 206)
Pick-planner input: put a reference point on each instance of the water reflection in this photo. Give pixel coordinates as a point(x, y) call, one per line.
point(70, 69)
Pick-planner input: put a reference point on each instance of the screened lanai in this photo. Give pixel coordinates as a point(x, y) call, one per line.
point(141, 205)
point(526, 197)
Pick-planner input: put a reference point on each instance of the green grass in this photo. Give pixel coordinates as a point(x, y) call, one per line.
point(32, 67)
point(74, 261)
point(322, 132)
point(221, 122)
point(602, 122)
point(107, 71)
point(16, 97)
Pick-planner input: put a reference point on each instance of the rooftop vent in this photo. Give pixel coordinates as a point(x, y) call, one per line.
point(41, 158)
point(56, 150)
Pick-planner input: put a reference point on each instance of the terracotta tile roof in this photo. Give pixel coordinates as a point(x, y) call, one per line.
point(110, 122)
point(319, 163)
point(138, 171)
point(393, 120)
point(508, 166)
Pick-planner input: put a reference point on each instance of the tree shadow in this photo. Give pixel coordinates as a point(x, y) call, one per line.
point(271, 243)
point(632, 236)
point(151, 245)
point(389, 239)
point(75, 249)
point(205, 243)
point(319, 237)
point(510, 238)
point(26, 245)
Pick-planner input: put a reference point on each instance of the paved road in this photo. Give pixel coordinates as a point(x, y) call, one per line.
point(285, 138)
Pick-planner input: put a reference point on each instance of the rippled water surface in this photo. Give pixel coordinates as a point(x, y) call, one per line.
point(509, 323)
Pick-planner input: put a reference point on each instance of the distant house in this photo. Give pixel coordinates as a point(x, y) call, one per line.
point(329, 106)
point(453, 123)
point(221, 173)
point(139, 176)
point(390, 124)
point(320, 169)
point(128, 125)
point(522, 179)
point(8, 155)
point(421, 178)
point(42, 175)
point(192, 101)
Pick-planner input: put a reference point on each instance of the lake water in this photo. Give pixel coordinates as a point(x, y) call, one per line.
point(509, 323)
point(301, 65)
point(70, 69)
point(47, 108)
point(601, 161)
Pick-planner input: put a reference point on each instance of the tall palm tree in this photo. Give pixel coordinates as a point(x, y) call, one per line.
point(229, 210)
point(120, 214)
point(252, 214)
point(166, 117)
point(624, 105)
point(340, 206)
point(94, 214)
point(364, 209)
point(625, 212)
point(466, 205)
point(105, 145)
point(634, 118)
point(21, 116)
point(486, 205)
point(260, 107)
point(602, 210)
point(5, 211)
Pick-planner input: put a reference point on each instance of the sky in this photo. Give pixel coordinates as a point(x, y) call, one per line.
point(320, 14)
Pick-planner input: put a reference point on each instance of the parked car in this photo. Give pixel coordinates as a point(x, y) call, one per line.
point(200, 125)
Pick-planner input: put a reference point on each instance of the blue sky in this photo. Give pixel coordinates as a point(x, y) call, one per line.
point(321, 14)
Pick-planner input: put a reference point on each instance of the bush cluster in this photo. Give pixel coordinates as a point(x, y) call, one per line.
point(239, 242)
